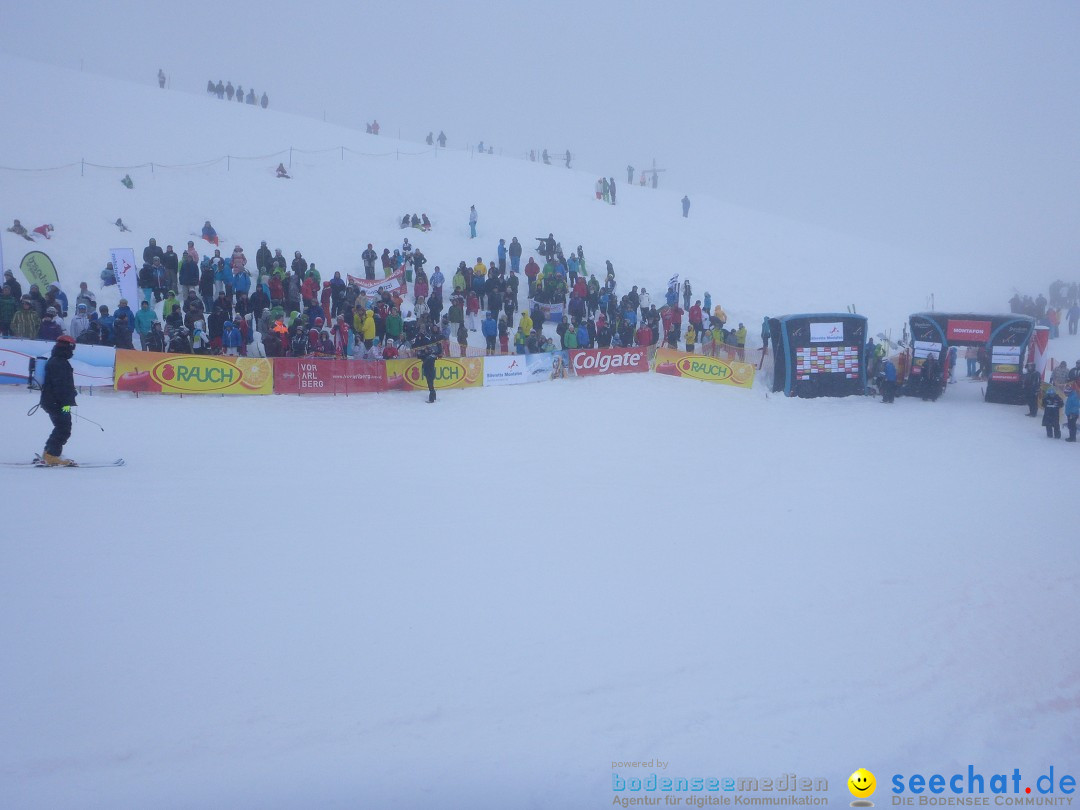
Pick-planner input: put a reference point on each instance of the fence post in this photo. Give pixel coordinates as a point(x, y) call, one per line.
point(82, 167)
point(343, 153)
point(290, 157)
point(228, 163)
point(151, 168)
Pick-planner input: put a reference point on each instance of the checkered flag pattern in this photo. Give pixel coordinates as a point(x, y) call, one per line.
point(827, 360)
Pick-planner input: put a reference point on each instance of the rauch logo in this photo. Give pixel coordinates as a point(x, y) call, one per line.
point(702, 369)
point(196, 374)
point(448, 373)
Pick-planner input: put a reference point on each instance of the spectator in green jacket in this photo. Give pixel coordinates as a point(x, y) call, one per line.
point(8, 306)
point(26, 322)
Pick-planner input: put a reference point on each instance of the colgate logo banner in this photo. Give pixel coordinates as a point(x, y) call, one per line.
point(974, 331)
point(591, 362)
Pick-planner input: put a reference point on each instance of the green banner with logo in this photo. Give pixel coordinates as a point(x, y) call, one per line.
point(39, 269)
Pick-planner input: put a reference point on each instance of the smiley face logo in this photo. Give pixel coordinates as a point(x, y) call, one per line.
point(862, 784)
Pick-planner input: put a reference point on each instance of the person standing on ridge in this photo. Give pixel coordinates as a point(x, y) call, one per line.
point(685, 207)
point(629, 175)
point(57, 400)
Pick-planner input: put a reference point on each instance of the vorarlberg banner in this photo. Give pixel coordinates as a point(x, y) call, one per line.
point(319, 375)
point(127, 274)
point(192, 373)
point(93, 365)
point(39, 269)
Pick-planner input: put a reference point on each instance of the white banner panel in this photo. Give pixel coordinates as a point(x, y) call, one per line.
point(127, 274)
point(827, 332)
point(93, 365)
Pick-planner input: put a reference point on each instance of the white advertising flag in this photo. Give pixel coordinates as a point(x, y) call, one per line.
point(127, 274)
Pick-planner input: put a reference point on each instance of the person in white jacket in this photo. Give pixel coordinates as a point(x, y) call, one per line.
point(80, 323)
point(645, 301)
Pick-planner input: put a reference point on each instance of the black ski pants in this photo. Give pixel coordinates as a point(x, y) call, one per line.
point(61, 432)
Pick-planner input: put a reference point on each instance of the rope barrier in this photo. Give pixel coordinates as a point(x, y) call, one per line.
point(213, 161)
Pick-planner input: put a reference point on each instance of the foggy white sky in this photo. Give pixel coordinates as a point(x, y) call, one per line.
point(947, 127)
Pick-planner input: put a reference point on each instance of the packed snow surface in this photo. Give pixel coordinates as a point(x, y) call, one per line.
point(368, 601)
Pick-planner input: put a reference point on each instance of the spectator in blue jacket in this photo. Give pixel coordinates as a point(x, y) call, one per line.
point(56, 293)
point(241, 281)
point(231, 339)
point(1072, 411)
point(583, 337)
point(105, 325)
point(501, 250)
point(888, 384)
point(124, 309)
point(189, 276)
point(314, 311)
point(489, 327)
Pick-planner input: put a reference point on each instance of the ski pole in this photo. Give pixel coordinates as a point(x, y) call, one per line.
point(91, 421)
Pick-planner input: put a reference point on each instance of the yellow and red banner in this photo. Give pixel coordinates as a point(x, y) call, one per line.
point(703, 367)
point(192, 373)
point(450, 372)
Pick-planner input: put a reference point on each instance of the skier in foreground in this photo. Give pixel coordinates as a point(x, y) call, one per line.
point(57, 400)
point(428, 348)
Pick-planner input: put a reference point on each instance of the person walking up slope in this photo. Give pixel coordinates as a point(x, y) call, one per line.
point(57, 400)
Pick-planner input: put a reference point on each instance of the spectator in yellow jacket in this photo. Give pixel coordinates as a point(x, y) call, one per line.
point(369, 329)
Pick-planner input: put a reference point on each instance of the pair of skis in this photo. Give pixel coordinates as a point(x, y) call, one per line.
point(38, 461)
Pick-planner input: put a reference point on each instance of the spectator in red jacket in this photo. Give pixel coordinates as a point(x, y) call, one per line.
point(307, 291)
point(277, 291)
point(532, 270)
point(695, 316)
point(644, 335)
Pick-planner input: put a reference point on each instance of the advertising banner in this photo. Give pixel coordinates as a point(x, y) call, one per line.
point(93, 365)
point(372, 287)
point(590, 362)
point(299, 375)
point(700, 367)
point(526, 368)
point(192, 373)
point(1040, 344)
point(965, 331)
point(127, 274)
point(553, 313)
point(39, 269)
point(832, 332)
point(456, 372)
